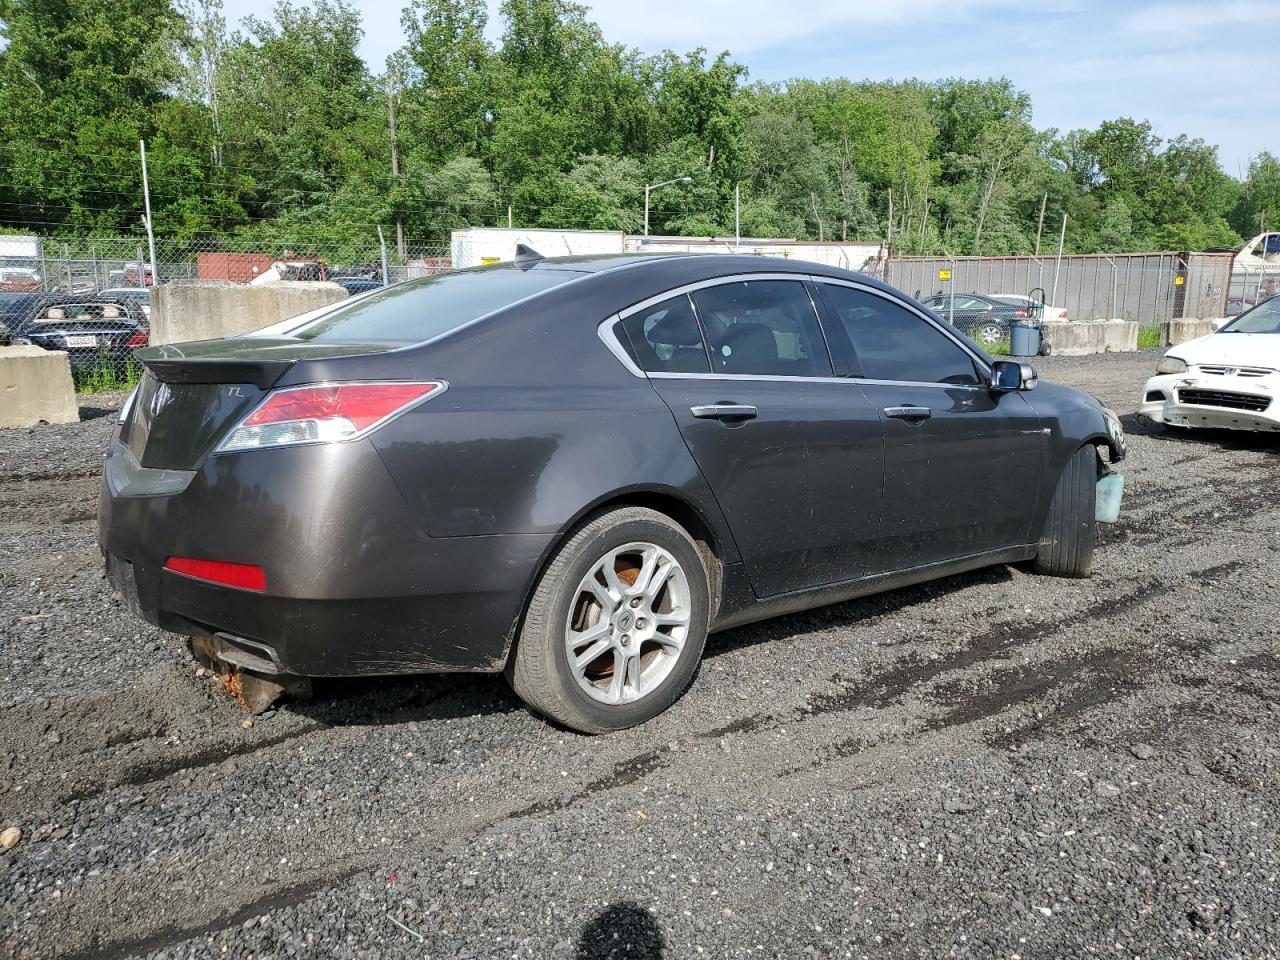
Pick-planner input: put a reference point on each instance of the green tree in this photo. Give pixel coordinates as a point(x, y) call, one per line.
point(447, 81)
point(1259, 204)
point(81, 82)
point(303, 113)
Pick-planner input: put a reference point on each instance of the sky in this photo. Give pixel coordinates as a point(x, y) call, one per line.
point(1201, 68)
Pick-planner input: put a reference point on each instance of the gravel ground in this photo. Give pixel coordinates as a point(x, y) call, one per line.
point(994, 765)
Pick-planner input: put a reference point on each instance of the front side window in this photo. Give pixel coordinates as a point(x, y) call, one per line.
point(665, 338)
point(892, 343)
point(763, 327)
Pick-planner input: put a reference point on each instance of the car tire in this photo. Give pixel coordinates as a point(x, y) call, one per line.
point(1066, 545)
point(633, 677)
point(990, 334)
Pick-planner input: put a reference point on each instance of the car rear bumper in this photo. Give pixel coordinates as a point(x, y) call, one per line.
point(1202, 401)
point(354, 587)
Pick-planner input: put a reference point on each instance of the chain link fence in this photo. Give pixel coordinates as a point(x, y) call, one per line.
point(91, 296)
point(986, 296)
point(1250, 286)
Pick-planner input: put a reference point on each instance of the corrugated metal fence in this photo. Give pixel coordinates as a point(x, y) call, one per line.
point(1147, 287)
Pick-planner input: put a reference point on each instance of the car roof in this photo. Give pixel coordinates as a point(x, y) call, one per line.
point(710, 264)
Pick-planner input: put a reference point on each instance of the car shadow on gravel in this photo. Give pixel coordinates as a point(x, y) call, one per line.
point(94, 413)
point(1244, 440)
point(388, 701)
point(851, 612)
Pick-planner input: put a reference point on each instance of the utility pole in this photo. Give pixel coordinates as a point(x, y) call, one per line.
point(382, 243)
point(1040, 228)
point(654, 186)
point(1061, 239)
point(737, 217)
point(151, 236)
point(888, 242)
point(509, 217)
point(395, 158)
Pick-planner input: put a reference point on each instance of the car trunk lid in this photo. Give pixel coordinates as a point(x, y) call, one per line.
point(193, 393)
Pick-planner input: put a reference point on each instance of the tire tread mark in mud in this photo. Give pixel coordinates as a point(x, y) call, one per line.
point(290, 896)
point(148, 772)
point(887, 687)
point(52, 476)
point(625, 772)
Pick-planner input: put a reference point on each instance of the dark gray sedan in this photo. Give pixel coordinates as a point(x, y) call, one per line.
point(573, 470)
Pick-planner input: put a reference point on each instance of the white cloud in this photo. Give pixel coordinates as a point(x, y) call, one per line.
point(1187, 22)
point(746, 26)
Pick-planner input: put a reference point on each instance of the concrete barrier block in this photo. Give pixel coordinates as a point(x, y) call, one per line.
point(1121, 335)
point(1075, 338)
point(35, 386)
point(1184, 329)
point(208, 309)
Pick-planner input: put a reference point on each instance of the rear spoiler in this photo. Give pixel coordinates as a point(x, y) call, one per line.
point(261, 373)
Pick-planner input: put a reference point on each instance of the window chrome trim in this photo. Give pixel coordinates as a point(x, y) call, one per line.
point(608, 328)
point(608, 333)
point(702, 284)
point(856, 381)
point(840, 282)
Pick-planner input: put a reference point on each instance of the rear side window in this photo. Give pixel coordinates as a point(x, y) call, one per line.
point(426, 308)
point(763, 327)
point(892, 343)
point(665, 338)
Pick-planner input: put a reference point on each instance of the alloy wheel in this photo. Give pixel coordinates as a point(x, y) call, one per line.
point(990, 334)
point(627, 623)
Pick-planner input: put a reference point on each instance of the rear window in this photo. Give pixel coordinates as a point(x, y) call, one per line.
point(62, 312)
point(423, 309)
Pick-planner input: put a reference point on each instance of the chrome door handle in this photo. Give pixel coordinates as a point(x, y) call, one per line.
point(907, 412)
point(724, 411)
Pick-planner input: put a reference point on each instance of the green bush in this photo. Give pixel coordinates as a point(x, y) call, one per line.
point(1148, 337)
point(108, 376)
point(1001, 349)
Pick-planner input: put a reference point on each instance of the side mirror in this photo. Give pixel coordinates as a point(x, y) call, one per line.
point(1008, 376)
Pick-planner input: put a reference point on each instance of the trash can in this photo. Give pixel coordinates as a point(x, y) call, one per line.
point(1024, 339)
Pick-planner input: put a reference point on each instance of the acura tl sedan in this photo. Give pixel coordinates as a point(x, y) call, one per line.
point(1229, 380)
point(573, 470)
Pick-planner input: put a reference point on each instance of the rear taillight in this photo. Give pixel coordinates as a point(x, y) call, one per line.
point(326, 413)
point(242, 576)
point(139, 339)
point(1022, 313)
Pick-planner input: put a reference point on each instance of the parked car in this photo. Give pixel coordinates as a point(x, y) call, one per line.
point(354, 285)
point(293, 270)
point(572, 470)
point(1228, 380)
point(1033, 307)
point(19, 280)
point(139, 295)
point(985, 318)
point(13, 310)
point(96, 331)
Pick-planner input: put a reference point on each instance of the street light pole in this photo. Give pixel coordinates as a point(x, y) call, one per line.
point(654, 186)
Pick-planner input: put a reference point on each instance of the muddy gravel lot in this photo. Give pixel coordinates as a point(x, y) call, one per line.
point(994, 765)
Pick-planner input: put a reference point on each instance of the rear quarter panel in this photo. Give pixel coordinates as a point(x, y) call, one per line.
point(540, 424)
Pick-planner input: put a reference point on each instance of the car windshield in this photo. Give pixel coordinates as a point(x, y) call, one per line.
point(1264, 318)
point(424, 309)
